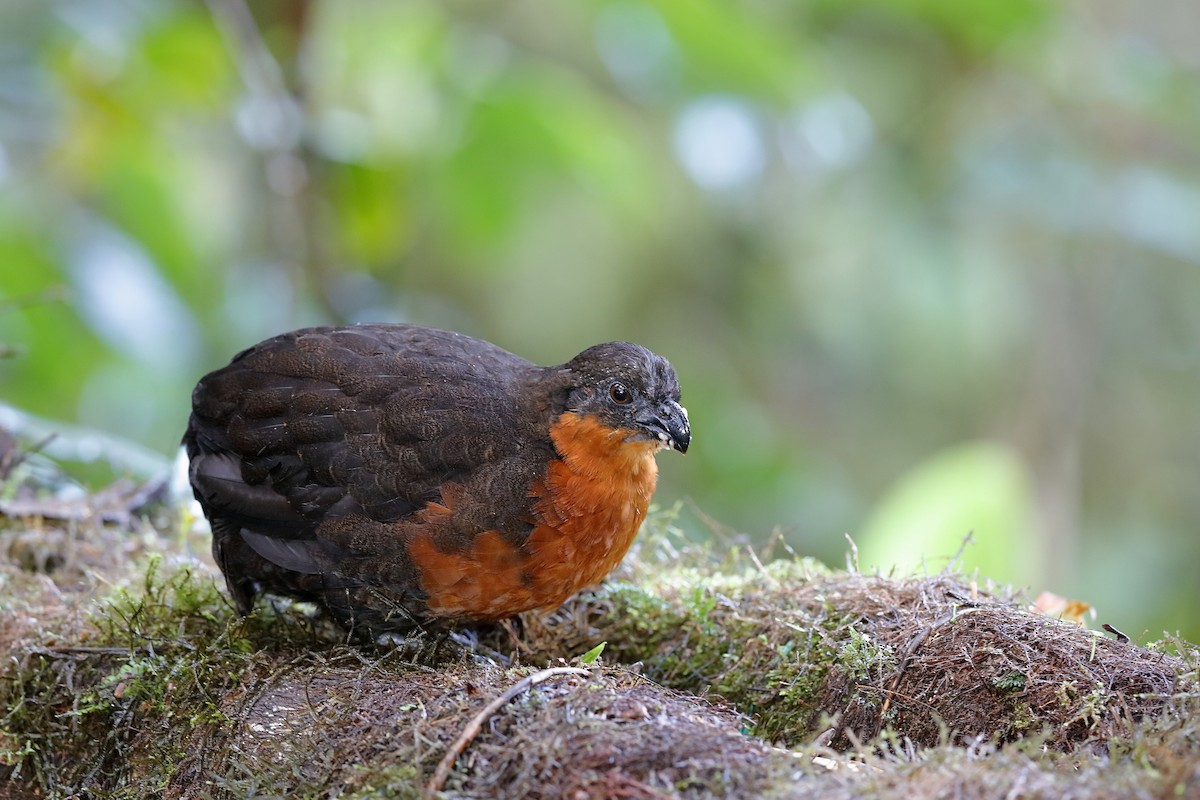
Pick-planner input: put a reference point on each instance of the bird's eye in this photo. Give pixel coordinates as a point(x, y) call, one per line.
point(619, 394)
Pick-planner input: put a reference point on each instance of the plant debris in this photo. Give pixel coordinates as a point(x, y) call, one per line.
point(127, 673)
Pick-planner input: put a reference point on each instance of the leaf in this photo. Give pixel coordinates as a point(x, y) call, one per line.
point(980, 487)
point(592, 655)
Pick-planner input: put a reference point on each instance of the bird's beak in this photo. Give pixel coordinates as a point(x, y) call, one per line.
point(670, 424)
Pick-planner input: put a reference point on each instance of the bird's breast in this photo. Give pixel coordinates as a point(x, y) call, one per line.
point(588, 508)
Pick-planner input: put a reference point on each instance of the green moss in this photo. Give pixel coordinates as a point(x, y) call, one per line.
point(167, 605)
point(394, 782)
point(791, 710)
point(714, 628)
point(1011, 681)
point(141, 693)
point(721, 633)
point(790, 570)
point(863, 658)
point(117, 709)
point(1021, 720)
point(1092, 706)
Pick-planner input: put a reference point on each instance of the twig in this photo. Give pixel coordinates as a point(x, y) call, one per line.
point(761, 569)
point(55, 650)
point(442, 773)
point(1120, 636)
point(852, 558)
point(965, 602)
point(64, 442)
point(967, 541)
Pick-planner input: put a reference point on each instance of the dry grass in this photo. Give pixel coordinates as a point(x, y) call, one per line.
point(126, 675)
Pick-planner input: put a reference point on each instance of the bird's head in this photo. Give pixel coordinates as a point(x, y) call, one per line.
point(632, 389)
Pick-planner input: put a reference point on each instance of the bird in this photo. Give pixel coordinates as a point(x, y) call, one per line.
point(402, 476)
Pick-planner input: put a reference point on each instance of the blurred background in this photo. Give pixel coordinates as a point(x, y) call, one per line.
point(925, 267)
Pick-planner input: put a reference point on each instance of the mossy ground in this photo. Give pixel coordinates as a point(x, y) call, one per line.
point(127, 673)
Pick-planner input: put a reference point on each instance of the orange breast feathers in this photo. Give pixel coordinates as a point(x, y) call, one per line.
point(588, 508)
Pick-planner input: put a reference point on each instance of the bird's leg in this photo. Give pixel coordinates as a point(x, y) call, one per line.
point(468, 639)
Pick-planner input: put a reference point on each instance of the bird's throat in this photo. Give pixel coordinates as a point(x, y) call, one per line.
point(592, 503)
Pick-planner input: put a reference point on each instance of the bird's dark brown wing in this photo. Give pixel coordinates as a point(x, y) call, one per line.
point(371, 421)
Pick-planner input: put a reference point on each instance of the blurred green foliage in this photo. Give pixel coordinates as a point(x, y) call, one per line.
point(924, 266)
